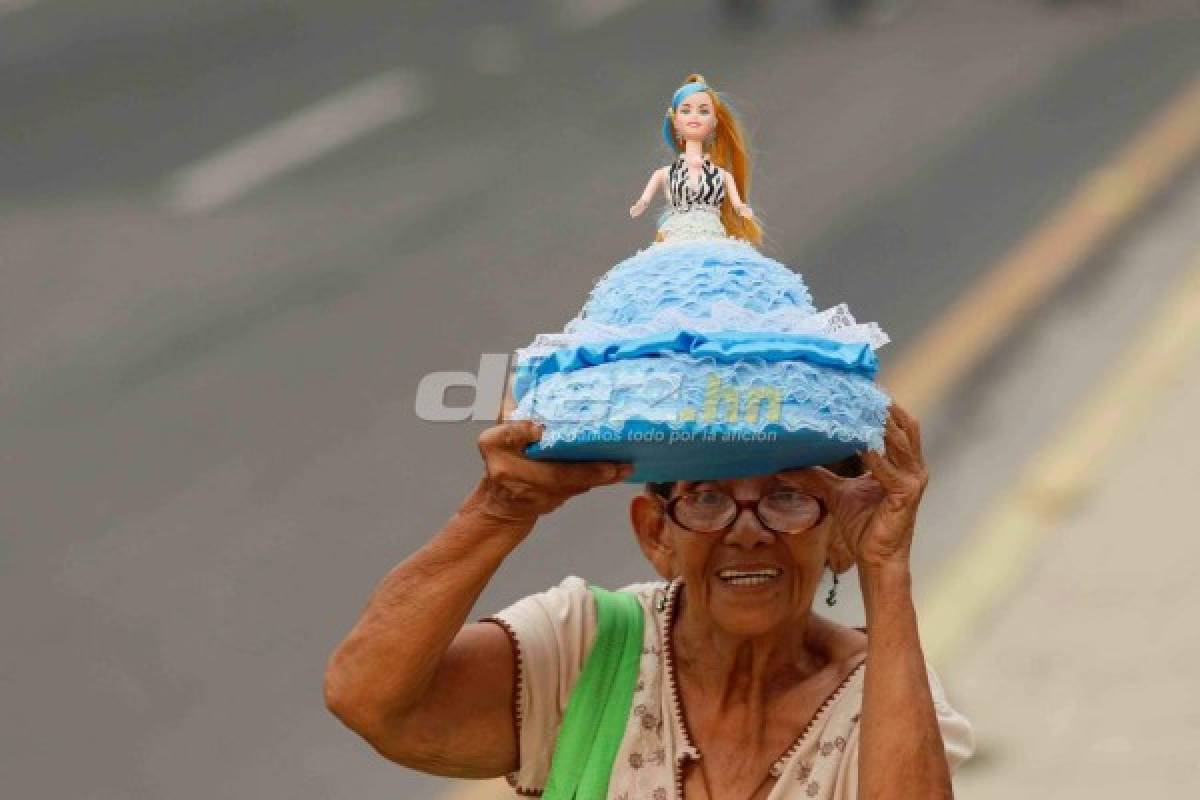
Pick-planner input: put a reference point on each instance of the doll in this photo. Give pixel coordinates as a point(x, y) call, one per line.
point(700, 356)
point(701, 184)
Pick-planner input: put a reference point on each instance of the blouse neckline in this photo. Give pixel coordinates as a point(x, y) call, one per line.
point(686, 749)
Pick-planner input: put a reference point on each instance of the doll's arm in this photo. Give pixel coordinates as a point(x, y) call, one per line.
point(652, 185)
point(735, 198)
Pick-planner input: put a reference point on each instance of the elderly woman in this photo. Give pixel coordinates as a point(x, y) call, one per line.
point(744, 692)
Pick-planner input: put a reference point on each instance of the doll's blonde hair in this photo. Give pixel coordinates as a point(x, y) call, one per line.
point(728, 150)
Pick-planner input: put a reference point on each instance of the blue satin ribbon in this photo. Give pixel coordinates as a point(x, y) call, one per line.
point(723, 348)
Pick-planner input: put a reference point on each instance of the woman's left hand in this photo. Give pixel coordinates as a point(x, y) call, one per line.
point(744, 210)
point(875, 514)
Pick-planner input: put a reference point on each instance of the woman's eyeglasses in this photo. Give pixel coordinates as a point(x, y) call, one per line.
point(710, 511)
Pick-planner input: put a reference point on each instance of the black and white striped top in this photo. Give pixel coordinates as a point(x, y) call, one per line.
point(684, 196)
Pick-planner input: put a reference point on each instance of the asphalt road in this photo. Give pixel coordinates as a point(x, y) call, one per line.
point(208, 451)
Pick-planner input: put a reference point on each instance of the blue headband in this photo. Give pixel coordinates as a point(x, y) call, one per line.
point(683, 92)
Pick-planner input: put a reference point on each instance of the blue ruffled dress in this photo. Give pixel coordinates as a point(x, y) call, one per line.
point(701, 358)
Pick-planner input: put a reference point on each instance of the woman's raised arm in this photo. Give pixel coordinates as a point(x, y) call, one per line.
point(421, 688)
point(901, 754)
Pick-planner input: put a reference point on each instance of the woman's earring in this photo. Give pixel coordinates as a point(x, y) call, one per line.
point(661, 604)
point(832, 598)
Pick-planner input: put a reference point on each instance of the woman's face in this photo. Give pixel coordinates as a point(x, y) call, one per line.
point(695, 118)
point(699, 558)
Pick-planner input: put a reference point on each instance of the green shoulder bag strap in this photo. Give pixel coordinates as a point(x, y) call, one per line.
point(598, 709)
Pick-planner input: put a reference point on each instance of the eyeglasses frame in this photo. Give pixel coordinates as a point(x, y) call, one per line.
point(753, 506)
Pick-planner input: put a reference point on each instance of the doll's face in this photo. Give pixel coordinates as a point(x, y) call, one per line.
point(695, 117)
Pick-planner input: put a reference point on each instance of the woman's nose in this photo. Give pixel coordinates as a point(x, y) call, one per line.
point(747, 531)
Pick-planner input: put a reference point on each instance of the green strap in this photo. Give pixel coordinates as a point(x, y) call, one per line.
point(598, 710)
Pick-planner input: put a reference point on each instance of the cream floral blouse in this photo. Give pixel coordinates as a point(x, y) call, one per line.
point(552, 632)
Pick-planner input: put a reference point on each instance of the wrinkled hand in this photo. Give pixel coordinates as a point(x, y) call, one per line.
point(516, 489)
point(874, 514)
point(637, 208)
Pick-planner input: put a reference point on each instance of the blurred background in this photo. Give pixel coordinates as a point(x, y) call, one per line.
point(234, 236)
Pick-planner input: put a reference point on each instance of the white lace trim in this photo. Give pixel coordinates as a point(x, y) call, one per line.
point(835, 323)
point(699, 222)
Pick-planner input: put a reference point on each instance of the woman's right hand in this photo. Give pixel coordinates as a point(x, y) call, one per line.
point(637, 208)
point(515, 489)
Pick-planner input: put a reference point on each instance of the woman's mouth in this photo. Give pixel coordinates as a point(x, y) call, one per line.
point(749, 578)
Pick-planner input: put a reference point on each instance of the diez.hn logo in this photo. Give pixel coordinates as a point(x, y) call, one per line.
point(659, 397)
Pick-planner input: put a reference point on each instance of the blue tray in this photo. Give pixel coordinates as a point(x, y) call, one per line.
point(659, 453)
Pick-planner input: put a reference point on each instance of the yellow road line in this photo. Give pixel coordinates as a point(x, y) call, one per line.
point(1109, 198)
point(946, 352)
point(994, 557)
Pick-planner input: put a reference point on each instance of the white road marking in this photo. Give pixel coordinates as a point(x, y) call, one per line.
point(298, 139)
point(579, 14)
